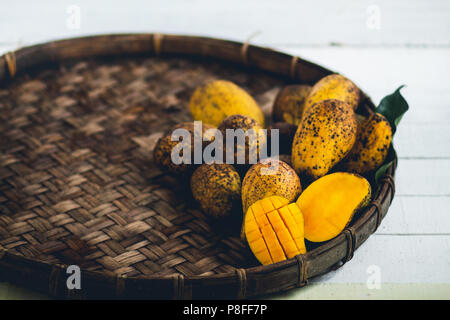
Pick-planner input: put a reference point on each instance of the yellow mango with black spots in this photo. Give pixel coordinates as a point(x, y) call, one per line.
point(217, 188)
point(219, 99)
point(289, 103)
point(267, 178)
point(371, 146)
point(242, 153)
point(325, 137)
point(333, 86)
point(162, 153)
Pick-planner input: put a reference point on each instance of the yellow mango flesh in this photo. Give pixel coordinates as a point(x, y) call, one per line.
point(329, 203)
point(274, 230)
point(217, 100)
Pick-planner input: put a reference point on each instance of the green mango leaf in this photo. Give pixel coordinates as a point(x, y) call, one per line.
point(393, 107)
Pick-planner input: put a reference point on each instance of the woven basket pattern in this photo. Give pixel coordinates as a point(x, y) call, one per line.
point(77, 180)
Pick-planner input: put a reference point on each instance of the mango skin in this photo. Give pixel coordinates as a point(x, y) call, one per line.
point(371, 146)
point(325, 137)
point(245, 123)
point(163, 150)
point(333, 86)
point(329, 204)
point(283, 157)
point(216, 100)
point(217, 188)
point(283, 182)
point(289, 104)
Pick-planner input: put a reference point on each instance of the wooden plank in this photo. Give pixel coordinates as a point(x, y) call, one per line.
point(422, 141)
point(417, 216)
point(379, 71)
point(390, 65)
point(7, 47)
point(357, 291)
point(353, 22)
point(423, 178)
point(424, 131)
point(400, 259)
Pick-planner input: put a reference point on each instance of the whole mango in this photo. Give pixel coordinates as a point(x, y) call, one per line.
point(216, 100)
point(162, 153)
point(333, 86)
point(289, 103)
point(217, 188)
point(371, 146)
point(325, 136)
point(243, 151)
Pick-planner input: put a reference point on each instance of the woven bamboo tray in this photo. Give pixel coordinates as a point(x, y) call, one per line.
point(79, 120)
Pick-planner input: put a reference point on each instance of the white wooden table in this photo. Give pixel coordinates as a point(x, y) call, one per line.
point(380, 45)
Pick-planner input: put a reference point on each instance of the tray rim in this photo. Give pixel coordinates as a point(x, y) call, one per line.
point(243, 283)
